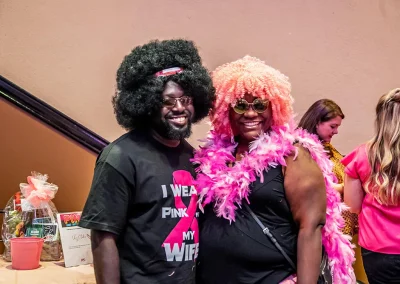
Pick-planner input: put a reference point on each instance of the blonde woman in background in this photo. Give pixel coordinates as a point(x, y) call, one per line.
point(324, 118)
point(372, 189)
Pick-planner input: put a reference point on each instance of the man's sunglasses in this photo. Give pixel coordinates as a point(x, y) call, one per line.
point(171, 102)
point(258, 106)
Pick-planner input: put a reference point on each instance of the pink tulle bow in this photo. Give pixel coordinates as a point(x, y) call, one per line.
point(38, 191)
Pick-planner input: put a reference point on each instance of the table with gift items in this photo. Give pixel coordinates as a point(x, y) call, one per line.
point(42, 245)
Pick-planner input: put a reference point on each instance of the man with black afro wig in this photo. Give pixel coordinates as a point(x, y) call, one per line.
point(142, 205)
point(140, 87)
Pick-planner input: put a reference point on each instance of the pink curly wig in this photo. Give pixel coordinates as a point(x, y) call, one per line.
point(249, 75)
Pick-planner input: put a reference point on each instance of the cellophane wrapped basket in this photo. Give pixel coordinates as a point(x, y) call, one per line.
point(31, 213)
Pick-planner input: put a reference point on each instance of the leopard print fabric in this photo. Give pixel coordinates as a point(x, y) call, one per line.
point(351, 219)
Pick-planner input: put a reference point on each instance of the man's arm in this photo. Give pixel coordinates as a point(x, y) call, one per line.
point(306, 193)
point(105, 213)
point(105, 257)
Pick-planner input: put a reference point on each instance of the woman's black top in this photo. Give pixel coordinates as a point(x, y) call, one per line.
point(239, 252)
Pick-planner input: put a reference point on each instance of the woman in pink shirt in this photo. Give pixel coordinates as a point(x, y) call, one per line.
point(372, 189)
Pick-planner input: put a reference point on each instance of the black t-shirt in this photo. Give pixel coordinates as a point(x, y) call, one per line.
point(143, 192)
point(239, 252)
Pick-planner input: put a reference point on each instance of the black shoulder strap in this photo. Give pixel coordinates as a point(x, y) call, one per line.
point(267, 232)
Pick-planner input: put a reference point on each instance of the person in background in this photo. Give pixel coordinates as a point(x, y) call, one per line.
point(255, 164)
point(372, 190)
point(323, 119)
point(141, 208)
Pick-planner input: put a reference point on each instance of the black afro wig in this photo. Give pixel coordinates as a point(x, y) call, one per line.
point(139, 92)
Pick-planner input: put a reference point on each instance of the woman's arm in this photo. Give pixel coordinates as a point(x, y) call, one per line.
point(353, 194)
point(306, 193)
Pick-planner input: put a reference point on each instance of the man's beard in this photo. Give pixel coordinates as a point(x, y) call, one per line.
point(163, 127)
point(173, 133)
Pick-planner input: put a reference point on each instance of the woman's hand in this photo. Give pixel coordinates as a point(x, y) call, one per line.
point(338, 187)
point(306, 193)
point(292, 279)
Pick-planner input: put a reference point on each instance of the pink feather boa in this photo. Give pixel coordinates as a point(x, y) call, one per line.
point(227, 186)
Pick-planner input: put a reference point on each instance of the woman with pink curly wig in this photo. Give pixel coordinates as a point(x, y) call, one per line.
point(271, 214)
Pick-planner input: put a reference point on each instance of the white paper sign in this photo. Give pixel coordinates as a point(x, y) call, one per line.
point(75, 240)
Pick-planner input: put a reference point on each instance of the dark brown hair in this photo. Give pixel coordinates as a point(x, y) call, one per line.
point(320, 111)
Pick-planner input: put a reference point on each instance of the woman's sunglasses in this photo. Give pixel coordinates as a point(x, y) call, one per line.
point(258, 106)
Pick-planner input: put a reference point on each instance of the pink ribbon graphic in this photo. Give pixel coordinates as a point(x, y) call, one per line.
point(184, 178)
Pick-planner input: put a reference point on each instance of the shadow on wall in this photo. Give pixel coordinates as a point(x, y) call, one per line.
point(28, 145)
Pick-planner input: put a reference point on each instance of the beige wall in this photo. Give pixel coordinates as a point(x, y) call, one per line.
point(28, 145)
point(67, 52)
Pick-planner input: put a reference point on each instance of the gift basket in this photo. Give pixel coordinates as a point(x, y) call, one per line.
point(31, 213)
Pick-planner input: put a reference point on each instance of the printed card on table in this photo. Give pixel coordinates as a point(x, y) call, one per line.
point(75, 240)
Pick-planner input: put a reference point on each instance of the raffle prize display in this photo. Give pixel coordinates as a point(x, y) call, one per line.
point(31, 213)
